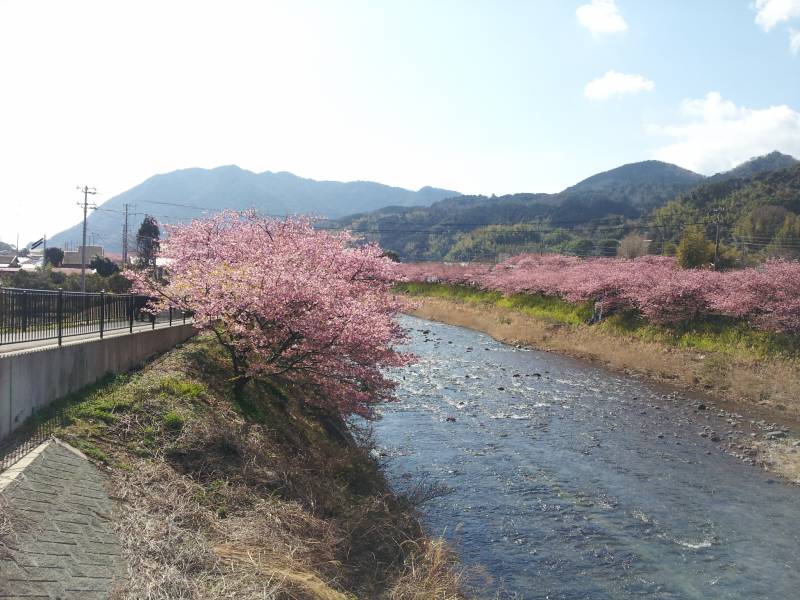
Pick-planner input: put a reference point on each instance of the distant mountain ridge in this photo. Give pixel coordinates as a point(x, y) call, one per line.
point(427, 223)
point(185, 194)
point(642, 184)
point(597, 206)
point(773, 161)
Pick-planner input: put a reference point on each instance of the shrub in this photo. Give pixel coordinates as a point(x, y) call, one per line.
point(632, 246)
point(694, 249)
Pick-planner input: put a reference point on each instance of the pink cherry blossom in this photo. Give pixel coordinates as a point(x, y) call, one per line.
point(299, 306)
point(767, 297)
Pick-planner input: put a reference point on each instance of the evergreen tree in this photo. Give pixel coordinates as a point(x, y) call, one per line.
point(54, 256)
point(147, 243)
point(103, 266)
point(694, 249)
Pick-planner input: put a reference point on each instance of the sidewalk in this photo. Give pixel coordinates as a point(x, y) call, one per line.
point(66, 341)
point(62, 544)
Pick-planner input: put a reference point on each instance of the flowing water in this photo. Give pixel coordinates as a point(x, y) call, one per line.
point(567, 481)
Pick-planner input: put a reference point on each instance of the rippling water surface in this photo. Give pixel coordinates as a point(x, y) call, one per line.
point(568, 481)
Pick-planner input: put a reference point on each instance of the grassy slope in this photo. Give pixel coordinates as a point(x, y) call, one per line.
point(267, 498)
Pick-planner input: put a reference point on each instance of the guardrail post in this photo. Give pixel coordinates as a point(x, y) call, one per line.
point(25, 311)
point(183, 314)
point(170, 316)
point(102, 312)
point(60, 314)
point(131, 307)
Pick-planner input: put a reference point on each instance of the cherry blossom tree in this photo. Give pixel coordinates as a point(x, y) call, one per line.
point(290, 303)
point(766, 297)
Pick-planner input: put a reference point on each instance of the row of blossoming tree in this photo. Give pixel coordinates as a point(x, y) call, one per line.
point(289, 303)
point(767, 297)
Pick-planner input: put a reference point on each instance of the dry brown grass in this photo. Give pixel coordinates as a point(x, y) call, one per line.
point(6, 527)
point(431, 573)
point(178, 548)
point(264, 500)
point(780, 457)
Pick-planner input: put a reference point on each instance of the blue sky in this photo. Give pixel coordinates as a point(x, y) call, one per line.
point(480, 97)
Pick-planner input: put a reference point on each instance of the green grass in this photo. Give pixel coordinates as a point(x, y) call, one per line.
point(713, 334)
point(148, 405)
point(173, 421)
point(543, 307)
point(717, 334)
point(190, 390)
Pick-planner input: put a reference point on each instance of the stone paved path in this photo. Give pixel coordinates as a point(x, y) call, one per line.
point(63, 545)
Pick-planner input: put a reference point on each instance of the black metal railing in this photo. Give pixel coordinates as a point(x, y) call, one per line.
point(29, 436)
point(34, 315)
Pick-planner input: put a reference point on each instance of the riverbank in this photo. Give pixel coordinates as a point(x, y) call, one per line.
point(765, 390)
point(262, 497)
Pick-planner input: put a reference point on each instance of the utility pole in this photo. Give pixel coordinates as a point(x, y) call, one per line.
point(718, 213)
point(125, 240)
point(86, 191)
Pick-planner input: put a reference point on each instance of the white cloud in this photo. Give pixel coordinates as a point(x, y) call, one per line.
point(614, 83)
point(601, 16)
point(717, 135)
point(794, 41)
point(772, 12)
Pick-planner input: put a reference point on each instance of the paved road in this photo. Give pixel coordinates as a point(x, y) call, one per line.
point(63, 545)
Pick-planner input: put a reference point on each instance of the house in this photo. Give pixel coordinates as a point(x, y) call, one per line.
point(30, 262)
point(9, 261)
point(72, 258)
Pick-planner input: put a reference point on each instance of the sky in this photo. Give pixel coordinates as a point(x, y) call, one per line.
point(495, 96)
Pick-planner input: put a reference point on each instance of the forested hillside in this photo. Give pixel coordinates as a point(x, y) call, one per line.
point(757, 213)
point(760, 164)
point(574, 221)
point(643, 185)
point(652, 201)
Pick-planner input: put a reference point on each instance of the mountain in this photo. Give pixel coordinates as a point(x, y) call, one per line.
point(190, 193)
point(754, 208)
point(642, 184)
point(5, 247)
point(586, 218)
point(773, 161)
point(466, 227)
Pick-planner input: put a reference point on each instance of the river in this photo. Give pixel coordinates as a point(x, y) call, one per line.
point(567, 481)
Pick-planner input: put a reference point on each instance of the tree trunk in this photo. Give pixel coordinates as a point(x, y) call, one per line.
point(238, 387)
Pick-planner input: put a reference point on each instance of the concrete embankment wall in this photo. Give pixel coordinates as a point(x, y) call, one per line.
point(32, 379)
